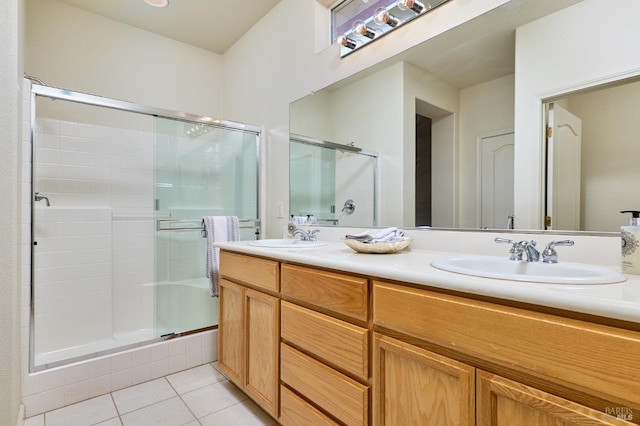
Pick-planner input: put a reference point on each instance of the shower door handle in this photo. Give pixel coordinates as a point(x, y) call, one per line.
point(39, 197)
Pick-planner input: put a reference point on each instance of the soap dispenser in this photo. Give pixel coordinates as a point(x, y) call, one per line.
point(631, 244)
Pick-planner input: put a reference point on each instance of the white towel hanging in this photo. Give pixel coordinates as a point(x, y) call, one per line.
point(217, 229)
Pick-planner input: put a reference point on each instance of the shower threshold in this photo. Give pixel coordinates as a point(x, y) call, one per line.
point(94, 349)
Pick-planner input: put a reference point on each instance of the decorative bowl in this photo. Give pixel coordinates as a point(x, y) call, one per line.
point(379, 248)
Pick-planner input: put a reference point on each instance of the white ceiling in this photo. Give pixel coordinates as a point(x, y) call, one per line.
point(209, 24)
point(479, 51)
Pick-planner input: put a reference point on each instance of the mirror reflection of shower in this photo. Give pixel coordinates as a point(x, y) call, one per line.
point(324, 174)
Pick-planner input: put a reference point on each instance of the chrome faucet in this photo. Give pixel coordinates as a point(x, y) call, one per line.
point(528, 248)
point(520, 248)
point(306, 236)
point(311, 235)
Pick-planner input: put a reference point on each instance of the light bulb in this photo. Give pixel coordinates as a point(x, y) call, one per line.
point(414, 5)
point(382, 16)
point(360, 28)
point(346, 42)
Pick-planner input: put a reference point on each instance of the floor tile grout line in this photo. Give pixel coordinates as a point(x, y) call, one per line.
point(119, 414)
point(149, 405)
point(113, 400)
point(184, 402)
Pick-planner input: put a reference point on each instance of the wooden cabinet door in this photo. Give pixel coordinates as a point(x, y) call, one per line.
point(504, 402)
point(262, 325)
point(231, 353)
point(413, 386)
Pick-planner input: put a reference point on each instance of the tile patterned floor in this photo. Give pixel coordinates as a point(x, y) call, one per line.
point(199, 396)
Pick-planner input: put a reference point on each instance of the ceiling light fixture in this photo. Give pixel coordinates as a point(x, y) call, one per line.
point(360, 28)
point(383, 21)
point(414, 5)
point(346, 42)
point(382, 16)
point(157, 3)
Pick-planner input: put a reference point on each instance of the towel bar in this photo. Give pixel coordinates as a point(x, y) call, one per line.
point(168, 224)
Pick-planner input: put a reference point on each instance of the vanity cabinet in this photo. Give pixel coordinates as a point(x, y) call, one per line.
point(249, 321)
point(322, 347)
point(547, 370)
point(325, 347)
point(413, 386)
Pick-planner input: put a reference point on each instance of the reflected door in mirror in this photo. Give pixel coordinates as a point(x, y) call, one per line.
point(496, 180)
point(564, 144)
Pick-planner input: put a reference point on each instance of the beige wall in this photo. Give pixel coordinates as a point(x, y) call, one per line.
point(610, 153)
point(432, 98)
point(11, 23)
point(279, 60)
point(485, 109)
point(69, 48)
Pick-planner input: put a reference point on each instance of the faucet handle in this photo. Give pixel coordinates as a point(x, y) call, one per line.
point(549, 254)
point(516, 248)
point(504, 240)
point(313, 234)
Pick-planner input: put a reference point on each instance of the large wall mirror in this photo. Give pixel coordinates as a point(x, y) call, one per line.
point(592, 154)
point(443, 117)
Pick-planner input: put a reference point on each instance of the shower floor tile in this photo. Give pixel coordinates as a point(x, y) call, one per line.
point(195, 397)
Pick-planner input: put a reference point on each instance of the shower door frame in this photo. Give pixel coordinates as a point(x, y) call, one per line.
point(100, 101)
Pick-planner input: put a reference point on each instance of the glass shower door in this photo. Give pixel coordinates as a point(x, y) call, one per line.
point(93, 235)
point(201, 170)
point(117, 197)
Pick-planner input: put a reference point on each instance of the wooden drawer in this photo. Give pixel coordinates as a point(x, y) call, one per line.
point(340, 343)
point(593, 358)
point(342, 397)
point(342, 294)
point(503, 401)
point(259, 272)
point(295, 411)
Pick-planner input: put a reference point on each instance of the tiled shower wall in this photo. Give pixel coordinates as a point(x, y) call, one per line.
point(95, 243)
point(100, 185)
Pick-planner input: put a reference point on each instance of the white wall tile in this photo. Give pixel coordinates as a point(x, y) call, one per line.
point(76, 392)
point(99, 385)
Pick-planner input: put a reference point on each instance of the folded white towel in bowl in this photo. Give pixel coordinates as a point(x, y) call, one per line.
point(384, 235)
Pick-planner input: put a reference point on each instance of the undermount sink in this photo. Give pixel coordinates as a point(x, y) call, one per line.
point(553, 273)
point(286, 243)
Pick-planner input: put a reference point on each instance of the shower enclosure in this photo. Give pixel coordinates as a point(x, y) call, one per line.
point(332, 184)
point(119, 193)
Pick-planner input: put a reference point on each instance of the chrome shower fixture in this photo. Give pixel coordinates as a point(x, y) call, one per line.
point(38, 196)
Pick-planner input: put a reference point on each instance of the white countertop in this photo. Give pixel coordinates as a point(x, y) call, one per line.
point(620, 301)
